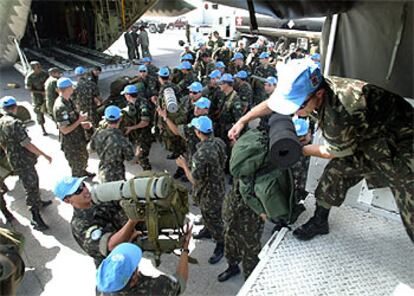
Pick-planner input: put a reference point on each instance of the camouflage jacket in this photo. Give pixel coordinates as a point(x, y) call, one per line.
point(245, 92)
point(113, 149)
point(51, 93)
point(253, 61)
point(203, 70)
point(360, 117)
point(186, 82)
point(199, 52)
point(223, 54)
point(93, 227)
point(265, 72)
point(153, 71)
point(207, 169)
point(65, 114)
point(233, 108)
point(233, 69)
point(187, 133)
point(217, 97)
point(13, 138)
point(84, 95)
point(166, 285)
point(35, 81)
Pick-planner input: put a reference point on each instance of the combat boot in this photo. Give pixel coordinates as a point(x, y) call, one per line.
point(37, 221)
point(217, 254)
point(44, 130)
point(318, 224)
point(204, 233)
point(231, 271)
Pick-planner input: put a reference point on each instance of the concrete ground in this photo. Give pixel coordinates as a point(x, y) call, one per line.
point(55, 265)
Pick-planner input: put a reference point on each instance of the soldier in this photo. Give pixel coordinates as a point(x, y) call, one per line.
point(201, 107)
point(22, 156)
point(204, 67)
point(269, 86)
point(187, 102)
point(216, 96)
point(202, 48)
point(362, 124)
point(238, 64)
point(112, 147)
point(241, 49)
point(187, 51)
point(217, 41)
point(118, 274)
point(187, 79)
point(243, 230)
point(86, 96)
point(131, 39)
point(253, 58)
point(265, 69)
point(233, 108)
point(147, 84)
point(221, 67)
point(94, 73)
point(97, 229)
point(152, 70)
point(243, 88)
point(72, 127)
point(51, 89)
point(35, 82)
point(137, 117)
point(171, 142)
point(143, 40)
point(272, 54)
point(223, 53)
point(208, 180)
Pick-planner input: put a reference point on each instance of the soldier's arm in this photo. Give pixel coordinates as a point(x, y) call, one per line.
point(128, 150)
point(317, 151)
point(122, 235)
point(66, 128)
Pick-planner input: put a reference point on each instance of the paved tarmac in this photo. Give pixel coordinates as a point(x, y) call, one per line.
point(55, 263)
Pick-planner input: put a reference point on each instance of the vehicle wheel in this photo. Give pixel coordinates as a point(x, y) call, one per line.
point(152, 29)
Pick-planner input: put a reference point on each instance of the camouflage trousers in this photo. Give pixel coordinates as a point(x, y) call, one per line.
point(77, 157)
point(211, 210)
point(30, 180)
point(174, 144)
point(243, 230)
point(144, 143)
point(300, 172)
point(39, 108)
point(381, 170)
point(110, 174)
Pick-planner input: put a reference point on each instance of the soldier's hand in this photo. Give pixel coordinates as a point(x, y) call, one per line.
point(154, 100)
point(162, 112)
point(48, 158)
point(128, 130)
point(263, 216)
point(235, 131)
point(82, 117)
point(86, 124)
point(181, 162)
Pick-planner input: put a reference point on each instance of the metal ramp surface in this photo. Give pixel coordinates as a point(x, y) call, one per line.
point(364, 254)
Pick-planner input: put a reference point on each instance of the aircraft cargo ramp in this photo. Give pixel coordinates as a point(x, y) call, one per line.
point(364, 254)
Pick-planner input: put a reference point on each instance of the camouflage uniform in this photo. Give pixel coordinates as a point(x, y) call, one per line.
point(243, 230)
point(166, 285)
point(13, 137)
point(148, 85)
point(223, 54)
point(84, 95)
point(207, 169)
point(217, 97)
point(36, 82)
point(133, 114)
point(113, 149)
point(185, 82)
point(245, 92)
point(153, 71)
point(370, 131)
point(74, 143)
point(187, 133)
point(51, 94)
point(257, 85)
point(199, 53)
point(253, 61)
point(93, 227)
point(172, 143)
point(203, 70)
point(273, 58)
point(233, 69)
point(243, 51)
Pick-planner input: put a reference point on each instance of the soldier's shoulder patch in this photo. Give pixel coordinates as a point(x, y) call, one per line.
point(94, 232)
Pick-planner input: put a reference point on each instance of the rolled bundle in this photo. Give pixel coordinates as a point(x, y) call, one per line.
point(170, 100)
point(284, 146)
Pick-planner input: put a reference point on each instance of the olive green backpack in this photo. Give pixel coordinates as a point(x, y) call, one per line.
point(264, 188)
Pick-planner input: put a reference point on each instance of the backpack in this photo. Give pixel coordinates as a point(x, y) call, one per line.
point(264, 187)
point(162, 215)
